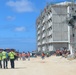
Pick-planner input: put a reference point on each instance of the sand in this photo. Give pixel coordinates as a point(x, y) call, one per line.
point(36, 66)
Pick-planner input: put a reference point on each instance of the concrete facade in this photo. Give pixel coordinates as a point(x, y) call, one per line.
point(53, 32)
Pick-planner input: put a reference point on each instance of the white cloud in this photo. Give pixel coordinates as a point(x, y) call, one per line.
point(10, 18)
point(21, 5)
point(20, 29)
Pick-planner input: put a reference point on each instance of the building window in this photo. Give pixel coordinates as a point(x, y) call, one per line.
point(48, 13)
point(43, 17)
point(44, 23)
point(50, 36)
point(50, 19)
point(72, 8)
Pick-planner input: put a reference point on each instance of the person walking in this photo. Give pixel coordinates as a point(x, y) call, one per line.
point(23, 56)
point(42, 55)
point(28, 55)
point(4, 58)
point(12, 58)
point(0, 59)
point(20, 56)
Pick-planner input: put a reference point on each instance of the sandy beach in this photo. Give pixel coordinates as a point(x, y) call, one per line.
point(36, 66)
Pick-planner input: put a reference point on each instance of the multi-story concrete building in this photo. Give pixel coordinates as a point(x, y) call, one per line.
point(53, 31)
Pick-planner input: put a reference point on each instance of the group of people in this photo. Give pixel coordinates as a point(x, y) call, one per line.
point(24, 55)
point(63, 53)
point(5, 57)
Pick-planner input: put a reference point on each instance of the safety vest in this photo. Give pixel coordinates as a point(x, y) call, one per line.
point(11, 55)
point(4, 55)
point(0, 56)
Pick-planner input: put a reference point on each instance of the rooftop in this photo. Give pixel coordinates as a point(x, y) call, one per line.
point(64, 3)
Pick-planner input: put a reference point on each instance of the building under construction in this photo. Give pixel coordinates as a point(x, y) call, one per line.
point(54, 30)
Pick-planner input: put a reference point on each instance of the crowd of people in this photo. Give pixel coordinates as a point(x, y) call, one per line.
point(63, 53)
point(13, 55)
point(23, 55)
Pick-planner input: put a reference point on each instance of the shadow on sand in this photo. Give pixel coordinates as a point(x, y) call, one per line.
point(18, 68)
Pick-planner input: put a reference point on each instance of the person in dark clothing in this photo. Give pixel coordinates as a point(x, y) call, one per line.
point(0, 59)
point(12, 58)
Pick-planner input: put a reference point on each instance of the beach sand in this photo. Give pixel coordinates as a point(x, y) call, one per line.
point(36, 66)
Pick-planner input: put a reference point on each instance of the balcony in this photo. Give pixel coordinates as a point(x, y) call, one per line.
point(49, 33)
point(38, 32)
point(43, 21)
point(49, 16)
point(49, 25)
point(38, 26)
point(38, 38)
point(43, 42)
point(43, 28)
point(43, 35)
point(39, 43)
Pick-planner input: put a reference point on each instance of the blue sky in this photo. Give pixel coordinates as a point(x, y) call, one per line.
point(18, 23)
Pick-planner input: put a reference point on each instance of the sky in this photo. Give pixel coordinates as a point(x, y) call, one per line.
point(18, 23)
